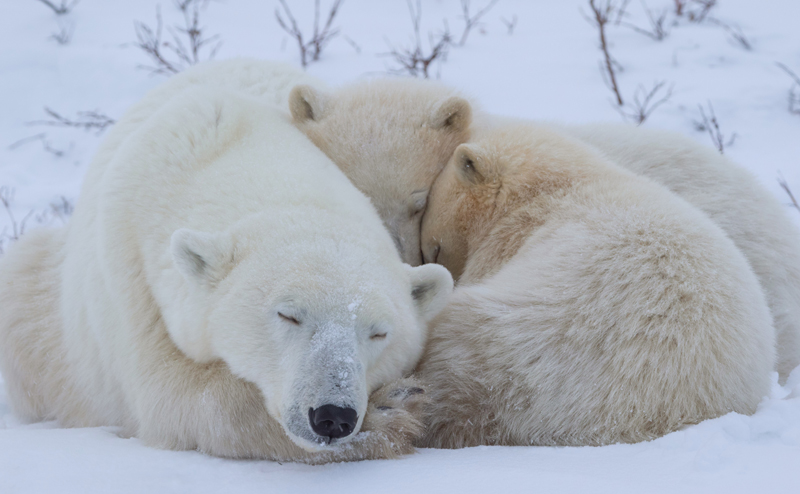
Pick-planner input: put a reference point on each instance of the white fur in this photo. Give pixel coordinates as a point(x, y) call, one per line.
point(204, 216)
point(595, 306)
point(734, 199)
point(730, 195)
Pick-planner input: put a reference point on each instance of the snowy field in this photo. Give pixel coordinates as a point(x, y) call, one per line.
point(534, 59)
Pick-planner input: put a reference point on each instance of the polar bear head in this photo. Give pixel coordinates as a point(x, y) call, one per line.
point(494, 191)
point(391, 138)
point(315, 315)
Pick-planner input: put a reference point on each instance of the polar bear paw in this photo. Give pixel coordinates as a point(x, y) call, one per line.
point(396, 414)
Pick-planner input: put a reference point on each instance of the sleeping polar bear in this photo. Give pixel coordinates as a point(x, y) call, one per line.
point(222, 287)
point(593, 306)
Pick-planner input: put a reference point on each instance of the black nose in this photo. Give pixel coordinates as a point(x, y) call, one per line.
point(332, 421)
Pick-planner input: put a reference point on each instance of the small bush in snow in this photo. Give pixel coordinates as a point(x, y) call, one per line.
point(310, 50)
point(415, 61)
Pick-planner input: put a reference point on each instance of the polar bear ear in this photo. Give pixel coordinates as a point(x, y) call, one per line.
point(202, 258)
point(431, 286)
point(306, 103)
point(454, 114)
point(474, 166)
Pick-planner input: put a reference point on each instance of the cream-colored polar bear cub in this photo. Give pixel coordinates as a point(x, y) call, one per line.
point(730, 195)
point(593, 307)
point(734, 199)
point(391, 137)
point(222, 287)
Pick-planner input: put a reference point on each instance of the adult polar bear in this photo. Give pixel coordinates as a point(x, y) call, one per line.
point(223, 287)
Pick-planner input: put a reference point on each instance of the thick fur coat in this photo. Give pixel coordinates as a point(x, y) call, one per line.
point(220, 277)
point(593, 307)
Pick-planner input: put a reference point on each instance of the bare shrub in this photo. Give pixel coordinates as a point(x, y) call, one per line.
point(698, 10)
point(352, 43)
point(659, 27)
point(41, 138)
point(600, 18)
point(510, 25)
point(785, 186)
point(794, 90)
point(85, 120)
point(61, 8)
point(645, 102)
point(472, 20)
point(15, 229)
point(313, 47)
point(188, 41)
point(416, 61)
point(710, 124)
point(60, 209)
point(64, 34)
point(735, 32)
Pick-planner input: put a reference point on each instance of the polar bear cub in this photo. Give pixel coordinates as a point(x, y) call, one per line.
point(593, 307)
point(223, 287)
point(391, 137)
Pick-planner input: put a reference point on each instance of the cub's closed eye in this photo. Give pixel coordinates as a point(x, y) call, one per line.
point(289, 319)
point(378, 336)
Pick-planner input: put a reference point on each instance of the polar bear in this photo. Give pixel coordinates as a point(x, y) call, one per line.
point(733, 198)
point(593, 305)
point(374, 132)
point(223, 287)
point(391, 137)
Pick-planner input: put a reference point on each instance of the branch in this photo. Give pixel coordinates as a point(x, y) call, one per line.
point(63, 8)
point(320, 38)
point(785, 186)
point(602, 15)
point(415, 61)
point(710, 124)
point(86, 120)
point(645, 102)
point(472, 20)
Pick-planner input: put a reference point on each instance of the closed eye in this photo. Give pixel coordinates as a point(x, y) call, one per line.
point(379, 336)
point(289, 318)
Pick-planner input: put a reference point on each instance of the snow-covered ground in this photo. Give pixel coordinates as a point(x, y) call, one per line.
point(547, 69)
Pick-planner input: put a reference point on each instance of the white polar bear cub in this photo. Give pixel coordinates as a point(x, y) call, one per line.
point(222, 286)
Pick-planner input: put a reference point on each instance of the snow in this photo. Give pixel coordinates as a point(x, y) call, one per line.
point(546, 69)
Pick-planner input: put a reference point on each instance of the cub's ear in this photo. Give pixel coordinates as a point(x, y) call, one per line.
point(453, 114)
point(431, 286)
point(202, 258)
point(473, 165)
point(306, 103)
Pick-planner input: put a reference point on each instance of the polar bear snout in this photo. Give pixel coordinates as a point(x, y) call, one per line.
point(332, 422)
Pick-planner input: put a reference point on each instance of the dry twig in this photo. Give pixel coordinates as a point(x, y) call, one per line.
point(64, 34)
point(659, 28)
point(46, 144)
point(735, 32)
point(794, 90)
point(62, 8)
point(183, 53)
point(314, 46)
point(60, 209)
point(510, 25)
point(415, 61)
point(601, 16)
point(86, 120)
point(470, 21)
point(645, 102)
point(710, 124)
point(785, 186)
point(17, 227)
point(704, 7)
